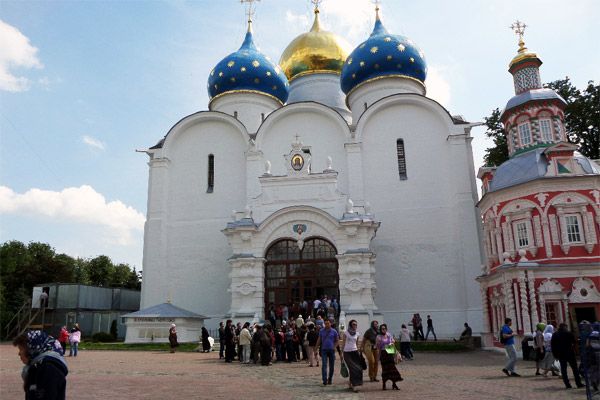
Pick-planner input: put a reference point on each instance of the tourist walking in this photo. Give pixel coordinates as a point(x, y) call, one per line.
point(430, 328)
point(507, 337)
point(405, 349)
point(312, 336)
point(548, 360)
point(563, 347)
point(328, 340)
point(173, 337)
point(369, 348)
point(45, 370)
point(387, 351)
point(74, 339)
point(538, 346)
point(205, 341)
point(352, 357)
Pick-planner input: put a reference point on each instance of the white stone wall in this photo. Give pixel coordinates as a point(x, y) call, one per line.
point(427, 245)
point(426, 249)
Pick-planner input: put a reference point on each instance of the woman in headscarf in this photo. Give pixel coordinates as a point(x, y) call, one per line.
point(205, 341)
point(548, 361)
point(45, 370)
point(173, 337)
point(352, 357)
point(387, 351)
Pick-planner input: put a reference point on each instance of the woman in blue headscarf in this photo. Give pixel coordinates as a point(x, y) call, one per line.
point(45, 370)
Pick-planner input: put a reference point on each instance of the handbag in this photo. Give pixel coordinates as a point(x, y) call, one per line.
point(363, 362)
point(390, 349)
point(344, 370)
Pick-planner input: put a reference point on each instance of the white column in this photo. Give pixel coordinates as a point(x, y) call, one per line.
point(485, 305)
point(524, 303)
point(357, 281)
point(532, 298)
point(247, 286)
point(519, 321)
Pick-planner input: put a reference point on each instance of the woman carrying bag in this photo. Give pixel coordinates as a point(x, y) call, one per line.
point(352, 358)
point(387, 351)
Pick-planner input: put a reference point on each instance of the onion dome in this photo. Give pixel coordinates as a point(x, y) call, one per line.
point(383, 55)
point(314, 52)
point(248, 70)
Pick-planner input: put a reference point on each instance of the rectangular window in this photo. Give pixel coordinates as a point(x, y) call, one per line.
point(401, 159)
point(552, 314)
point(211, 173)
point(573, 225)
point(522, 236)
point(546, 129)
point(524, 134)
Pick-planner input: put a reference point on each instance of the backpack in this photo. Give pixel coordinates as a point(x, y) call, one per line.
point(501, 337)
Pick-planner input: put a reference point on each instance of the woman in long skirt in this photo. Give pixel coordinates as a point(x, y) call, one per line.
point(173, 338)
point(205, 341)
point(388, 361)
point(352, 357)
point(548, 361)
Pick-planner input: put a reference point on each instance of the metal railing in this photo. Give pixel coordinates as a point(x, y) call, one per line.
point(22, 319)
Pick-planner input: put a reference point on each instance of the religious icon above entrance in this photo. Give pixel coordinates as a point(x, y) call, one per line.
point(298, 159)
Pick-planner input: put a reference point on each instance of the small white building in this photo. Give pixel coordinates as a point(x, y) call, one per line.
point(152, 324)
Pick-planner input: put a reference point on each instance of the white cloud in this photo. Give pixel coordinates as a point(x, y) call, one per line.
point(438, 87)
point(15, 51)
point(93, 142)
point(81, 205)
point(296, 19)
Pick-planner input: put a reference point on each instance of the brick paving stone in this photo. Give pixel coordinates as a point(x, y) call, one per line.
point(160, 375)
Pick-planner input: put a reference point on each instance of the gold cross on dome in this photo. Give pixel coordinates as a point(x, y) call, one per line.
point(376, 2)
point(250, 8)
point(316, 3)
point(519, 28)
point(297, 138)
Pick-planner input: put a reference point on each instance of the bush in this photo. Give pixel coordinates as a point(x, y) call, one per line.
point(102, 337)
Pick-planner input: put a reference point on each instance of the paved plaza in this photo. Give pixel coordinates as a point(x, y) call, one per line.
point(160, 375)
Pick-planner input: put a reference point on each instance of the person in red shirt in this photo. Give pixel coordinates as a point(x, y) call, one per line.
point(63, 337)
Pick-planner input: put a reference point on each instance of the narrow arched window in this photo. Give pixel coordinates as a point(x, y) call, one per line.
point(211, 173)
point(401, 159)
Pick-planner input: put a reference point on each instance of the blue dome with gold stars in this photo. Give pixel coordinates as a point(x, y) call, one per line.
point(383, 55)
point(248, 70)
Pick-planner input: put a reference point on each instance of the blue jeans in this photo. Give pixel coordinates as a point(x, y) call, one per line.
point(73, 349)
point(511, 352)
point(328, 357)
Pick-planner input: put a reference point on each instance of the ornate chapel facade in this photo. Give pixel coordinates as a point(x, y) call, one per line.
point(541, 216)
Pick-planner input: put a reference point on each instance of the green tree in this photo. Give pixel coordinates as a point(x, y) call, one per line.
point(100, 271)
point(494, 156)
point(582, 115)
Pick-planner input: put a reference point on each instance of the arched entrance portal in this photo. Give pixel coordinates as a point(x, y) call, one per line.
point(293, 275)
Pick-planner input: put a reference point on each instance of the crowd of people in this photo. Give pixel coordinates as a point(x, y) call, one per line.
point(315, 341)
point(550, 346)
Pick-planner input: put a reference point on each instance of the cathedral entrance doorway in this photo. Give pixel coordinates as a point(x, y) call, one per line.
point(293, 275)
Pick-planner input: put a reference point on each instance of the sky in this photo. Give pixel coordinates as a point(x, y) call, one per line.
point(83, 84)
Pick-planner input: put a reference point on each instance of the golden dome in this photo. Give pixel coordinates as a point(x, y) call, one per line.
point(522, 55)
point(316, 51)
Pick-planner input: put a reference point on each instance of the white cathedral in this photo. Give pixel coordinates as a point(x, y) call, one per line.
point(330, 173)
